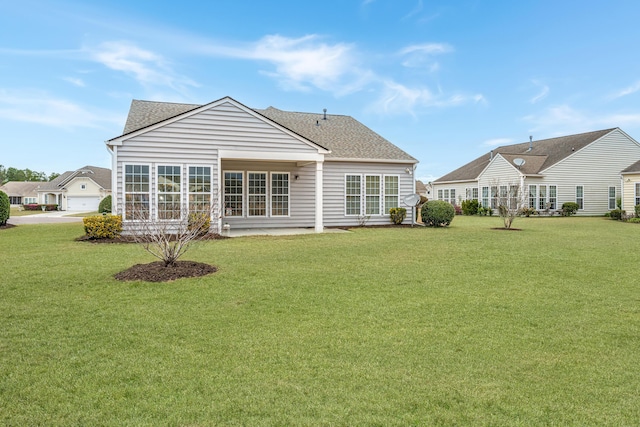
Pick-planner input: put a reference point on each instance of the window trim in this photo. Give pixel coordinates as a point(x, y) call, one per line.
point(267, 187)
point(346, 195)
point(224, 194)
point(180, 193)
point(188, 184)
point(580, 200)
point(637, 194)
point(271, 194)
point(612, 207)
point(148, 193)
point(385, 210)
point(378, 194)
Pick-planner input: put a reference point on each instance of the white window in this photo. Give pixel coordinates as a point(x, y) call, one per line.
point(474, 193)
point(452, 200)
point(542, 199)
point(257, 194)
point(136, 191)
point(199, 188)
point(612, 198)
point(533, 196)
point(233, 193)
point(391, 193)
point(553, 197)
point(494, 197)
point(485, 197)
point(169, 192)
point(353, 191)
point(580, 196)
point(637, 193)
point(440, 195)
point(83, 186)
point(372, 192)
point(29, 200)
point(280, 194)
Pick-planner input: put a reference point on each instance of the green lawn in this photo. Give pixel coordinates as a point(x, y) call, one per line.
point(457, 326)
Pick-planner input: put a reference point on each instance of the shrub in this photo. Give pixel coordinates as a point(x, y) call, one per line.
point(470, 207)
point(569, 208)
point(437, 213)
point(635, 220)
point(102, 226)
point(636, 209)
point(37, 207)
point(528, 212)
point(5, 208)
point(199, 220)
point(457, 209)
point(105, 205)
point(397, 215)
point(616, 214)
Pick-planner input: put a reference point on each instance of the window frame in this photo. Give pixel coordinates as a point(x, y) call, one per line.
point(612, 206)
point(229, 212)
point(386, 195)
point(286, 196)
point(374, 196)
point(580, 199)
point(637, 193)
point(349, 206)
point(159, 193)
point(145, 203)
point(265, 195)
point(191, 203)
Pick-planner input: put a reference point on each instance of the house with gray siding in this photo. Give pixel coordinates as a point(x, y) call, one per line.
point(584, 168)
point(255, 168)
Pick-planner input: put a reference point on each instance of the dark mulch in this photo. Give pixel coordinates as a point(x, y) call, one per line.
point(157, 272)
point(2, 227)
point(507, 229)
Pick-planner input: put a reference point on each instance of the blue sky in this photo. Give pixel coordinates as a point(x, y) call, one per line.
point(444, 80)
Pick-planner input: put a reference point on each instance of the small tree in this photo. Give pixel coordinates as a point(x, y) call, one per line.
point(569, 208)
point(511, 199)
point(5, 208)
point(105, 205)
point(169, 238)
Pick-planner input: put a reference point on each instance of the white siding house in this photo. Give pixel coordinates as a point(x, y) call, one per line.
point(584, 168)
point(80, 190)
point(257, 168)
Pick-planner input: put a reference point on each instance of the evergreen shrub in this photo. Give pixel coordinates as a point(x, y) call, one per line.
point(437, 213)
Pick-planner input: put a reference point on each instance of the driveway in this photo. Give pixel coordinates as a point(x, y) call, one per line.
point(45, 218)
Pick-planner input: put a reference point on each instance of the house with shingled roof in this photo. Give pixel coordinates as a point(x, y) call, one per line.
point(585, 168)
point(80, 190)
point(631, 188)
point(257, 168)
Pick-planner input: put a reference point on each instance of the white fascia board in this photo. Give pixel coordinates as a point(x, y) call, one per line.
point(356, 160)
point(269, 155)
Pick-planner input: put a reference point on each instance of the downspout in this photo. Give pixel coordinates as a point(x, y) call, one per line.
point(114, 177)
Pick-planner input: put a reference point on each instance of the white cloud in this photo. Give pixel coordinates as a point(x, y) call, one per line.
point(40, 108)
point(565, 120)
point(148, 68)
point(421, 56)
point(399, 99)
point(627, 91)
point(74, 81)
point(544, 91)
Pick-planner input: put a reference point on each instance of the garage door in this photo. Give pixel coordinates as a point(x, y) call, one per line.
point(83, 204)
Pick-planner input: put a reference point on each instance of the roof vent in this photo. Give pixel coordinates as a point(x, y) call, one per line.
point(325, 114)
point(491, 155)
point(530, 143)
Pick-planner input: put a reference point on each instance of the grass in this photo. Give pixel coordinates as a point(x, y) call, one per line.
point(465, 325)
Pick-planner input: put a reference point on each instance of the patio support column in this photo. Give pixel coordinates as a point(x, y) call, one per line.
point(319, 197)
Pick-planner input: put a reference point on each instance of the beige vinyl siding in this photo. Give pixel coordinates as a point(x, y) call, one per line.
point(629, 195)
point(596, 167)
point(499, 172)
point(459, 187)
point(334, 190)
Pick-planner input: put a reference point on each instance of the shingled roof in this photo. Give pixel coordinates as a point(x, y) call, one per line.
point(344, 136)
point(634, 168)
point(101, 176)
point(538, 155)
point(21, 188)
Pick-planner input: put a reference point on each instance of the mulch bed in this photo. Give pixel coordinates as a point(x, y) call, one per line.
point(507, 229)
point(157, 272)
point(2, 227)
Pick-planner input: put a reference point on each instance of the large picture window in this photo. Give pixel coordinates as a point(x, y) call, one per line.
point(169, 192)
point(257, 193)
point(233, 193)
point(199, 188)
point(391, 193)
point(136, 192)
point(279, 194)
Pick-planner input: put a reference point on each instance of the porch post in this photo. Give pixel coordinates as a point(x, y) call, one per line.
point(319, 197)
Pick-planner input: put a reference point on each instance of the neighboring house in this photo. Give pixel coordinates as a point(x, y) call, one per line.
point(631, 188)
point(21, 192)
point(258, 168)
point(584, 168)
point(80, 190)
